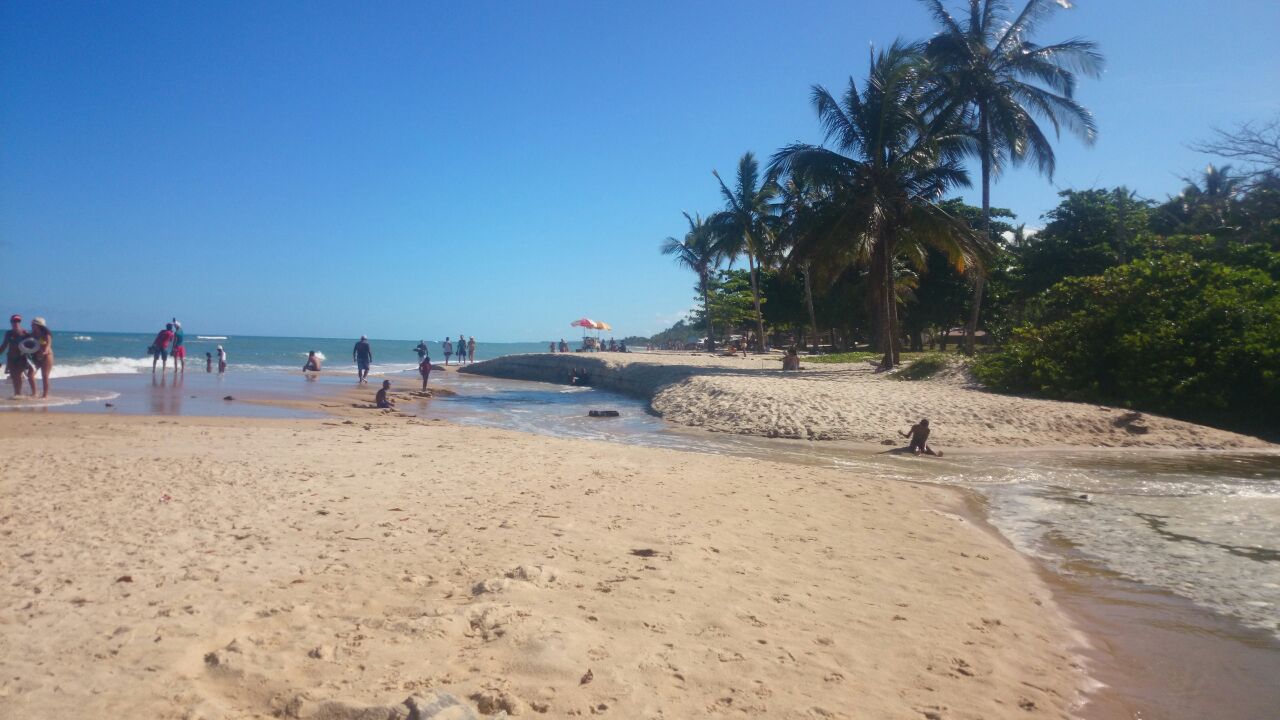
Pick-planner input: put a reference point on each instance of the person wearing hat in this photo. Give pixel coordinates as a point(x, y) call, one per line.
point(222, 360)
point(362, 355)
point(179, 352)
point(42, 358)
point(16, 363)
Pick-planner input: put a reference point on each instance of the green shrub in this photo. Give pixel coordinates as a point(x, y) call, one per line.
point(845, 357)
point(926, 366)
point(1193, 339)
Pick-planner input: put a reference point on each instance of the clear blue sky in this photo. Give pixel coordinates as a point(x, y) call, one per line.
point(415, 169)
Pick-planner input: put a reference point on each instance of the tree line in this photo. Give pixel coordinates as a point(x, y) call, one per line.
point(1170, 306)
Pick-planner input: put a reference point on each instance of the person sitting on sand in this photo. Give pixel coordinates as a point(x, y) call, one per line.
point(424, 369)
point(382, 400)
point(791, 361)
point(919, 434)
point(313, 363)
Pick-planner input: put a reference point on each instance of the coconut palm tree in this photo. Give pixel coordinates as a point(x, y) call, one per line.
point(988, 65)
point(796, 218)
point(745, 224)
point(889, 165)
point(699, 251)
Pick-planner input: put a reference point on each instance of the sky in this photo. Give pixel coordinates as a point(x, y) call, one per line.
point(499, 168)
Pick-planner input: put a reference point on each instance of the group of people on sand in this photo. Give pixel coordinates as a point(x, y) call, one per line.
point(590, 344)
point(26, 351)
point(362, 356)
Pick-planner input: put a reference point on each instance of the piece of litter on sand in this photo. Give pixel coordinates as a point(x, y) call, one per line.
point(125, 579)
point(644, 552)
point(588, 677)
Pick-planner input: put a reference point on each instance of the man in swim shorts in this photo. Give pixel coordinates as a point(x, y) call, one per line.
point(160, 348)
point(362, 354)
point(179, 350)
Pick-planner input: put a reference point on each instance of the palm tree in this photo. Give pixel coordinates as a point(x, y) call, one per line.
point(745, 224)
point(989, 66)
point(699, 252)
point(795, 220)
point(889, 166)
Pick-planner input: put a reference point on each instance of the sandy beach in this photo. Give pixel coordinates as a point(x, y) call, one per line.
point(753, 396)
point(232, 568)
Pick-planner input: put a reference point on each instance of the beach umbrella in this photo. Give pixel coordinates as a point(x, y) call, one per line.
point(583, 323)
point(603, 326)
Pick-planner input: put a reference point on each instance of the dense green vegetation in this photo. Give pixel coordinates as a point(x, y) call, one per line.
point(1167, 306)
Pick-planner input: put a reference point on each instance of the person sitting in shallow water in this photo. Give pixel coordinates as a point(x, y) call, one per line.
point(382, 399)
point(919, 434)
point(313, 363)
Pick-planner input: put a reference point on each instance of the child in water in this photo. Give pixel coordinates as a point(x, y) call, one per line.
point(381, 399)
point(919, 434)
point(208, 362)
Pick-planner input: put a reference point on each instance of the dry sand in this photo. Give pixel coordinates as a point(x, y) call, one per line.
point(753, 396)
point(199, 568)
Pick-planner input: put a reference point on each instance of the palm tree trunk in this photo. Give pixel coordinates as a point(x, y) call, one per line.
point(886, 268)
point(706, 309)
point(979, 280)
point(808, 298)
point(755, 295)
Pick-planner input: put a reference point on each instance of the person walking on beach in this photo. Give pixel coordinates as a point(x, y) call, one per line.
point(471, 350)
point(160, 348)
point(179, 350)
point(362, 355)
point(16, 363)
point(312, 364)
point(448, 350)
point(42, 358)
point(424, 369)
point(421, 349)
point(222, 360)
point(381, 399)
point(919, 434)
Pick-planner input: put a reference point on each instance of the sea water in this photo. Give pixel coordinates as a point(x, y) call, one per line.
point(94, 353)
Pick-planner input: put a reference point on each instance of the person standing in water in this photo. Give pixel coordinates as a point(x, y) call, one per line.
point(42, 359)
point(448, 350)
point(421, 349)
point(424, 369)
point(362, 355)
point(160, 348)
point(471, 350)
point(222, 360)
point(179, 350)
point(208, 362)
point(462, 348)
point(16, 363)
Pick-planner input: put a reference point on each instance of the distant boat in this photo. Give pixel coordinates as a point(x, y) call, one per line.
point(211, 337)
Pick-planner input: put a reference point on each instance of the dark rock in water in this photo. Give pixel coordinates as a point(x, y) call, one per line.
point(228, 398)
point(603, 413)
point(110, 404)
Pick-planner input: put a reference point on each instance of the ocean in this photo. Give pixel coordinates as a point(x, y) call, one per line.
point(96, 353)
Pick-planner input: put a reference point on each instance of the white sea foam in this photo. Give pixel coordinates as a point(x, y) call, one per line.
point(102, 366)
point(83, 338)
point(25, 401)
point(211, 337)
